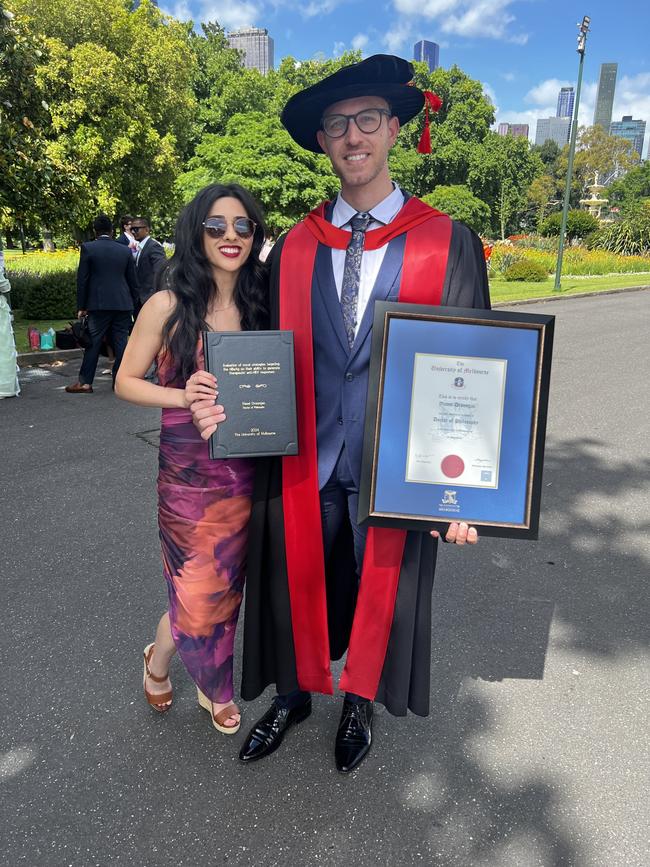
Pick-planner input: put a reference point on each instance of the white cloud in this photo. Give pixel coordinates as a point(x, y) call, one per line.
point(470, 18)
point(339, 48)
point(546, 92)
point(359, 41)
point(230, 16)
point(318, 7)
point(398, 36)
point(508, 76)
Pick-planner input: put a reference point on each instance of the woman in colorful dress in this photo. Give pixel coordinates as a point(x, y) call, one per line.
point(214, 281)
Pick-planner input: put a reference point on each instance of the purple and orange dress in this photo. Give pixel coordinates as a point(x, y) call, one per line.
point(203, 511)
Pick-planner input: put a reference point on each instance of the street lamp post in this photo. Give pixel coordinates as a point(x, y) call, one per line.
point(582, 41)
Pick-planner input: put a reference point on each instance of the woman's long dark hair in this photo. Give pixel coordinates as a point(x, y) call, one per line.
point(188, 274)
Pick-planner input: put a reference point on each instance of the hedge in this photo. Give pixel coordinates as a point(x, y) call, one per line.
point(44, 296)
point(526, 270)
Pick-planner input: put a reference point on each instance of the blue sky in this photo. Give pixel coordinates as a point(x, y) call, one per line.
point(522, 50)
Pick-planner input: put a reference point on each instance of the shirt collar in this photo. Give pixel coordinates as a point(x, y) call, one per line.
point(382, 213)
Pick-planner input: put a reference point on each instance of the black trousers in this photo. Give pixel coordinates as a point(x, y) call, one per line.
point(115, 324)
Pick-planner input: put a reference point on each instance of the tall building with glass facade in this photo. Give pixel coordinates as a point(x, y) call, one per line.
point(556, 129)
point(565, 102)
point(632, 130)
point(429, 52)
point(256, 46)
point(605, 95)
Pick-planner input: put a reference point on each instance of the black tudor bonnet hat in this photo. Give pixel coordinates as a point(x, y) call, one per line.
point(380, 75)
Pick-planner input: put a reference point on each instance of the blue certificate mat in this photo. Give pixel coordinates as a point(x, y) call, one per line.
point(455, 419)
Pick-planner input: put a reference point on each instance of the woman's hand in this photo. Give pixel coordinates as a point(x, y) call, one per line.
point(201, 386)
point(206, 415)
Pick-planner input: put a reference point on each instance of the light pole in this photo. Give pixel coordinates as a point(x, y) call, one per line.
point(582, 41)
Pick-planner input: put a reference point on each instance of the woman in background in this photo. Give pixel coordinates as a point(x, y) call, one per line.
point(9, 386)
point(214, 281)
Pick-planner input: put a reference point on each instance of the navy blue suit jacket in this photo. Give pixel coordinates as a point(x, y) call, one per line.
point(106, 278)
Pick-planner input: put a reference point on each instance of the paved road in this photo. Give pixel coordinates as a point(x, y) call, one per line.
point(535, 752)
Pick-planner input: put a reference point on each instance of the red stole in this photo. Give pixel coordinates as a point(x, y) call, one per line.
point(423, 273)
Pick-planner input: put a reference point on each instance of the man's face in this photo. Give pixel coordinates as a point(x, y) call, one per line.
point(357, 157)
point(139, 230)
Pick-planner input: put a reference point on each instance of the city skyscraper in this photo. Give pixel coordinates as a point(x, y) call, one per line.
point(256, 45)
point(632, 130)
point(556, 129)
point(605, 96)
point(427, 51)
point(516, 130)
point(565, 102)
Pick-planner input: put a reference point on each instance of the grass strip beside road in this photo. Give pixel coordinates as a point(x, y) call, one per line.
point(502, 291)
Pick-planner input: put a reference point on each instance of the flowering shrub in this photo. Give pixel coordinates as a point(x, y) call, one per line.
point(525, 270)
point(578, 261)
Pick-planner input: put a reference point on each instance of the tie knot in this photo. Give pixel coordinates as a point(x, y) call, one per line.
point(360, 222)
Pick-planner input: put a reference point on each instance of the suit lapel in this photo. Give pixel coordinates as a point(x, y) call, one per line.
point(326, 287)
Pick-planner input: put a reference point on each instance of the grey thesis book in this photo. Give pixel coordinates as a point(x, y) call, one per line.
point(256, 382)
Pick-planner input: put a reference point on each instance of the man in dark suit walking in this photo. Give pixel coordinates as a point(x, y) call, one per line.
point(106, 288)
point(150, 258)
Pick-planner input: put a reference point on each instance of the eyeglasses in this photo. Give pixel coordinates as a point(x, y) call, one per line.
point(137, 228)
point(368, 120)
point(217, 226)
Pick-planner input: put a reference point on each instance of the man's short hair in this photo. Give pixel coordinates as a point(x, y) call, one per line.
point(142, 220)
point(103, 225)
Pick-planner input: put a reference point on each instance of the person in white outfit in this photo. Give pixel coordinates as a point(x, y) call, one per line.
point(9, 386)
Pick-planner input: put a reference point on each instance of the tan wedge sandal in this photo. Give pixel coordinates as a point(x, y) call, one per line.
point(219, 719)
point(160, 702)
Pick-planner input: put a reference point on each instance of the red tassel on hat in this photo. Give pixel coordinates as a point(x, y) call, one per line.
point(432, 101)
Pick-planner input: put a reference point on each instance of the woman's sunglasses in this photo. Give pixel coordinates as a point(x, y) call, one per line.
point(216, 227)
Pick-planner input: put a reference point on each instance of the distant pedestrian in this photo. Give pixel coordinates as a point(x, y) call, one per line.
point(149, 260)
point(9, 386)
point(106, 289)
point(125, 237)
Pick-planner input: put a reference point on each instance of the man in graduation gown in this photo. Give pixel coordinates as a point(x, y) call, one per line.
point(317, 582)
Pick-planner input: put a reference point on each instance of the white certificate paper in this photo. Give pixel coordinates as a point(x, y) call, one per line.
point(456, 420)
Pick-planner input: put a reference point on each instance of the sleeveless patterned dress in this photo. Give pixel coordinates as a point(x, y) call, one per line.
point(203, 511)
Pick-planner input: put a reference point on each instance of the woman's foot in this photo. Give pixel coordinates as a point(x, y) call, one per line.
point(157, 686)
point(226, 716)
point(233, 720)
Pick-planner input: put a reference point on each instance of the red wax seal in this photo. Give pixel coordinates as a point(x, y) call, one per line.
point(452, 466)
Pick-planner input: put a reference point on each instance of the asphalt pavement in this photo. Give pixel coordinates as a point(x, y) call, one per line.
point(535, 753)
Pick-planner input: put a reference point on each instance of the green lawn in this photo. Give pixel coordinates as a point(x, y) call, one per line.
point(21, 325)
point(499, 291)
point(516, 291)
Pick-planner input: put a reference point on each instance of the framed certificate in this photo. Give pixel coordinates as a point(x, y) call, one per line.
point(456, 419)
point(256, 385)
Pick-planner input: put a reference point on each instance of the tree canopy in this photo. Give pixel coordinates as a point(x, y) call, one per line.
point(112, 106)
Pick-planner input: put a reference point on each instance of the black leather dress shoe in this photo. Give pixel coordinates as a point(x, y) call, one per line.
point(267, 733)
point(354, 736)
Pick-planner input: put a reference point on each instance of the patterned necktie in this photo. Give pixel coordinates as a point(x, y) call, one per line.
point(352, 274)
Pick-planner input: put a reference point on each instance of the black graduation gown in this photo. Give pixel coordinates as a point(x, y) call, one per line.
point(269, 655)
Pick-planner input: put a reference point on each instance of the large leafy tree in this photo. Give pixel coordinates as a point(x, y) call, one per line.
point(257, 151)
point(33, 184)
point(628, 191)
point(501, 170)
point(119, 90)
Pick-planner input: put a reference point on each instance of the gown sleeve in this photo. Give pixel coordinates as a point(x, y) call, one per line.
point(466, 281)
